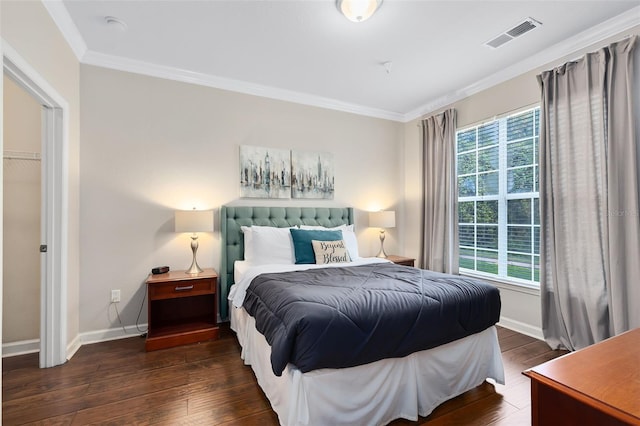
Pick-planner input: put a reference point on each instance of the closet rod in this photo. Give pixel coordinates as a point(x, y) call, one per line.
point(21, 155)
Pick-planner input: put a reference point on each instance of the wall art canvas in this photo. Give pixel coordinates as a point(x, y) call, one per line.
point(312, 175)
point(265, 172)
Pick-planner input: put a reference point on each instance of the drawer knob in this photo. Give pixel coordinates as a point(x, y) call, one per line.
point(184, 288)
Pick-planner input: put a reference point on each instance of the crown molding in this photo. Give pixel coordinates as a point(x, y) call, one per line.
point(609, 28)
point(186, 76)
point(65, 24)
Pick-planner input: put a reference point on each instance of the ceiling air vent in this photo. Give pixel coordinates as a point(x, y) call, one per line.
point(499, 41)
point(523, 27)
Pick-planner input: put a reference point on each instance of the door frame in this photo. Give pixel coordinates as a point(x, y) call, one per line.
point(54, 210)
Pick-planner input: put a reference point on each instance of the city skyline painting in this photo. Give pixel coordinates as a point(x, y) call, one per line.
point(265, 172)
point(312, 175)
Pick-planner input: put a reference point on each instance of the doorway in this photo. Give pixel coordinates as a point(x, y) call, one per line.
point(53, 207)
point(22, 196)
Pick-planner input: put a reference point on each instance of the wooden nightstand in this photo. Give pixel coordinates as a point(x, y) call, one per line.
point(182, 308)
point(401, 260)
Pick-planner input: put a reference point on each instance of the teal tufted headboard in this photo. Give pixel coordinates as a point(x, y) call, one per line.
point(232, 218)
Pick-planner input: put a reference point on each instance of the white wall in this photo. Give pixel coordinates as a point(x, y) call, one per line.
point(151, 146)
point(520, 307)
point(21, 217)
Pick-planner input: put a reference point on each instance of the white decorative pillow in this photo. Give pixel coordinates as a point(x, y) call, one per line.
point(324, 228)
point(348, 235)
point(330, 252)
point(247, 231)
point(271, 245)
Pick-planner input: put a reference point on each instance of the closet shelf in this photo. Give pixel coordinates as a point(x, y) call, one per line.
point(21, 155)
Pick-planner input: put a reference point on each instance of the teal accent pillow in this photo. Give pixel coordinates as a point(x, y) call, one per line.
point(302, 242)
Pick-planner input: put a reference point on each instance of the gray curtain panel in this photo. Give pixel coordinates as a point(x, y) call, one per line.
point(439, 242)
point(589, 199)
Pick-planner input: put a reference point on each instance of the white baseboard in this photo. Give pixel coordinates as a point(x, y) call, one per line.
point(32, 346)
point(111, 334)
point(521, 327)
point(20, 348)
point(73, 347)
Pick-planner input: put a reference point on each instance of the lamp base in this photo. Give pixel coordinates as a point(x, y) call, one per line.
point(382, 254)
point(194, 268)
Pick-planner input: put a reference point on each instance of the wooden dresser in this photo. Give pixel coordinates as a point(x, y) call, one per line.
point(598, 385)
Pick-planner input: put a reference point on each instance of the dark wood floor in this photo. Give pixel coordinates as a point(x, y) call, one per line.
point(118, 382)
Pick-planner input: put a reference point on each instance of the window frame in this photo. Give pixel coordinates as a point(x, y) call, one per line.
point(503, 197)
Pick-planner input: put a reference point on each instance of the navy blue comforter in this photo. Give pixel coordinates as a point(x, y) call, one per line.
point(342, 317)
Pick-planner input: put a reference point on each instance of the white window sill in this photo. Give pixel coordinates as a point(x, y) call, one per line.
point(506, 284)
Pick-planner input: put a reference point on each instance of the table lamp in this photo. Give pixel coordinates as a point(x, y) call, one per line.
point(382, 219)
point(194, 221)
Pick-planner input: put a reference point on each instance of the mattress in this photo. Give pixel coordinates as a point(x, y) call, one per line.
point(375, 393)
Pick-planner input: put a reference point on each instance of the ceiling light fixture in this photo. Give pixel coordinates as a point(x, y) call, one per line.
point(358, 10)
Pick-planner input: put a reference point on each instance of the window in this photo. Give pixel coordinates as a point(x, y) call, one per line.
point(498, 215)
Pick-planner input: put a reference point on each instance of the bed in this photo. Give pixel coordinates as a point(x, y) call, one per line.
point(373, 393)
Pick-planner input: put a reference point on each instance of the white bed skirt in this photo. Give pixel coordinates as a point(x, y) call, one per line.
point(375, 393)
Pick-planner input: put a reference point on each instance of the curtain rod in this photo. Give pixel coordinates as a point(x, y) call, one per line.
point(495, 117)
point(431, 114)
point(502, 115)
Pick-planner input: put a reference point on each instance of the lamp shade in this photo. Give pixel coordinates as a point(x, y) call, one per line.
point(358, 10)
point(194, 221)
point(382, 219)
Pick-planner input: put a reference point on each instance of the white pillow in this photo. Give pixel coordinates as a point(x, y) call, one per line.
point(271, 246)
point(248, 242)
point(348, 235)
point(323, 228)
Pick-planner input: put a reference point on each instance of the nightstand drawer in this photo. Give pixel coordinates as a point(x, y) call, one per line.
point(187, 288)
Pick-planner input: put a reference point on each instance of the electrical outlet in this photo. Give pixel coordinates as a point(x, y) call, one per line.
point(115, 296)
